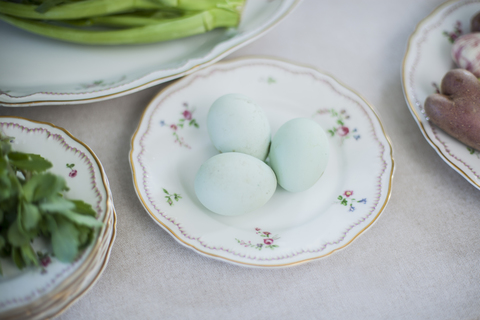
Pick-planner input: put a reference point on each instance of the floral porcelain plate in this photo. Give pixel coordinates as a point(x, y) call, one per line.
point(66, 73)
point(172, 142)
point(45, 291)
point(427, 60)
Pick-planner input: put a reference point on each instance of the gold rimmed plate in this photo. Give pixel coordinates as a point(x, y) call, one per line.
point(172, 141)
point(427, 60)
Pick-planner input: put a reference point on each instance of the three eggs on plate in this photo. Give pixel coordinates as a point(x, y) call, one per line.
point(237, 180)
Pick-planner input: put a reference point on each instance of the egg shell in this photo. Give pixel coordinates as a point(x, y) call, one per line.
point(236, 123)
point(299, 154)
point(234, 183)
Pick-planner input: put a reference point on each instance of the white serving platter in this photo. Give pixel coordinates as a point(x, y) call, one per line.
point(36, 70)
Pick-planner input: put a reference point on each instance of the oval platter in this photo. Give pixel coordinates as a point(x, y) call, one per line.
point(68, 73)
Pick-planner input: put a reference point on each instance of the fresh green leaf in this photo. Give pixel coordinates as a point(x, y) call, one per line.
point(51, 223)
point(2, 242)
point(85, 236)
point(42, 186)
point(32, 204)
point(81, 219)
point(3, 166)
point(64, 239)
point(17, 258)
point(16, 237)
point(5, 145)
point(6, 190)
point(56, 204)
point(43, 228)
point(29, 161)
point(30, 216)
point(29, 256)
point(83, 208)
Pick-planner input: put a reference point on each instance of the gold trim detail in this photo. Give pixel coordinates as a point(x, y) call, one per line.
point(254, 264)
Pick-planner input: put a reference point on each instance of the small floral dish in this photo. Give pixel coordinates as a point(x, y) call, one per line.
point(67, 73)
point(427, 60)
point(45, 291)
point(172, 142)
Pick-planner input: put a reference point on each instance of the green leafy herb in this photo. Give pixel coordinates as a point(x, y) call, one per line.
point(32, 205)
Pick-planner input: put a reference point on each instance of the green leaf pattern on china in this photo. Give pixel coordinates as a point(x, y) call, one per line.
point(171, 197)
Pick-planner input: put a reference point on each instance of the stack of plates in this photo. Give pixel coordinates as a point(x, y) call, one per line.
point(37, 293)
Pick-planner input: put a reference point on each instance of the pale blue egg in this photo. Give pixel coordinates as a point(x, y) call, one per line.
point(236, 123)
point(299, 154)
point(234, 183)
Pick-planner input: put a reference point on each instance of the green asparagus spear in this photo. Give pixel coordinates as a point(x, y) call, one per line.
point(95, 8)
point(168, 29)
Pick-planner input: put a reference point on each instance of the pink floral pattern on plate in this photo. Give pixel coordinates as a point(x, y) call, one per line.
point(186, 120)
point(73, 172)
point(453, 35)
point(340, 129)
point(347, 200)
point(268, 241)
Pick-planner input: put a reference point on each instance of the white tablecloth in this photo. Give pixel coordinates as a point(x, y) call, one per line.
point(420, 260)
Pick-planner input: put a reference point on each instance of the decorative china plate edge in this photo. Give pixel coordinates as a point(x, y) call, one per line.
point(103, 266)
point(198, 66)
point(410, 104)
point(241, 263)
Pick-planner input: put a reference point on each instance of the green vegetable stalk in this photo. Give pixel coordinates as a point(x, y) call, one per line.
point(121, 21)
point(32, 205)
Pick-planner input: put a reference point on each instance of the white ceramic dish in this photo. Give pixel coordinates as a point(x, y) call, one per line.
point(427, 60)
point(292, 227)
point(66, 73)
point(56, 285)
